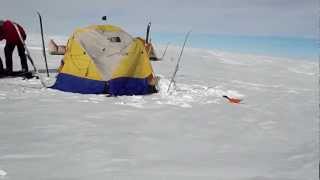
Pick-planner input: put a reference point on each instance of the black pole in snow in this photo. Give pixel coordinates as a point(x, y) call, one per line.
point(43, 46)
point(148, 32)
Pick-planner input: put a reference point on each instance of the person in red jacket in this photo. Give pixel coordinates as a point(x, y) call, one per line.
point(8, 32)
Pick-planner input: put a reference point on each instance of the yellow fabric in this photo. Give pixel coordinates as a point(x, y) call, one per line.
point(78, 63)
point(135, 64)
point(107, 28)
point(149, 48)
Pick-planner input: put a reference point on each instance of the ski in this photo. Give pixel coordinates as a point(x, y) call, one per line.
point(43, 46)
point(178, 62)
point(15, 74)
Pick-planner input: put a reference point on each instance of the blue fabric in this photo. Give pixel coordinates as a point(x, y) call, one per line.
point(128, 86)
point(70, 83)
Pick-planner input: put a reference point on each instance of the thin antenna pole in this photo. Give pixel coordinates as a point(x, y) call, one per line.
point(165, 50)
point(178, 62)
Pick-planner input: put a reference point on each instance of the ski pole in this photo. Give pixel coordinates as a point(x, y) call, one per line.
point(29, 56)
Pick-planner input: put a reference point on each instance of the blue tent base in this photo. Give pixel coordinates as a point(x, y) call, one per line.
point(115, 87)
point(70, 83)
point(128, 86)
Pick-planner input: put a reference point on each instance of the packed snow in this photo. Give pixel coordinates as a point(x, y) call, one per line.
point(190, 132)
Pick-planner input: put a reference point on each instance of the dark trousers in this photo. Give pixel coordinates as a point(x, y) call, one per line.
point(8, 51)
point(1, 66)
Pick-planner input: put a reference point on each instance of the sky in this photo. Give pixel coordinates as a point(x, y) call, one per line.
point(297, 18)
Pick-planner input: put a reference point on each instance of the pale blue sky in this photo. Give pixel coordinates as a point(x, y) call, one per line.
point(237, 17)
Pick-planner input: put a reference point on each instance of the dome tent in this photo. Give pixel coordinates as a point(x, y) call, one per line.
point(105, 59)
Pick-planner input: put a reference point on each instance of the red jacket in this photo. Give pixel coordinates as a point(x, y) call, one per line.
point(9, 32)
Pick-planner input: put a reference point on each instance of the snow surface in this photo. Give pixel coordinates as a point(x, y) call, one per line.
point(188, 133)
